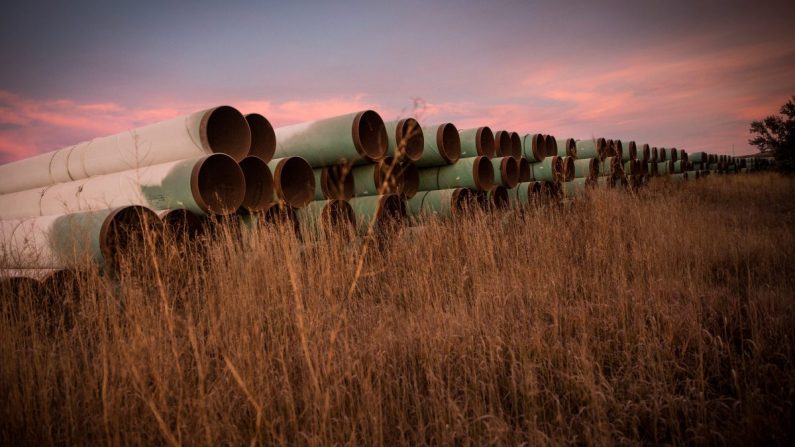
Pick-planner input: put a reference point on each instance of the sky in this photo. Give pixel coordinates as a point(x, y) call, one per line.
point(689, 74)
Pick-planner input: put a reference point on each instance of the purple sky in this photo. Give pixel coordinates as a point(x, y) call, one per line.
point(691, 74)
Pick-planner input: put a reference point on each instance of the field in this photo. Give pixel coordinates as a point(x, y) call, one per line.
point(662, 317)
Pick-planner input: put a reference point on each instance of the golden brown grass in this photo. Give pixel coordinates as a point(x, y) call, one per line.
point(665, 317)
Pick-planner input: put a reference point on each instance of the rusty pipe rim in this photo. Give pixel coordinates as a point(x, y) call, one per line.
point(499, 198)
point(336, 181)
point(516, 145)
point(369, 135)
point(525, 173)
point(568, 168)
point(294, 181)
point(460, 200)
point(217, 184)
point(337, 214)
point(390, 210)
point(448, 142)
point(571, 147)
point(259, 184)
point(484, 142)
point(502, 144)
point(482, 173)
point(509, 171)
point(127, 227)
point(409, 139)
point(224, 130)
point(550, 145)
point(263, 138)
point(410, 179)
point(181, 222)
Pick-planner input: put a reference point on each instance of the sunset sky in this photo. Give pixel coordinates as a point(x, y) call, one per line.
point(691, 75)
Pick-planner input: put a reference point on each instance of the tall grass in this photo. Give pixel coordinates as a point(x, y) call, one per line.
point(662, 317)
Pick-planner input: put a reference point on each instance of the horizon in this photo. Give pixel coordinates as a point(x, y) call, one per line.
point(671, 75)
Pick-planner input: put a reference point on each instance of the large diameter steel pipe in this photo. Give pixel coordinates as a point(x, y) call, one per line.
point(680, 166)
point(213, 184)
point(476, 173)
point(380, 212)
point(567, 169)
point(547, 170)
point(67, 240)
point(263, 138)
point(442, 146)
point(502, 143)
point(334, 182)
point(506, 171)
point(525, 193)
point(259, 184)
point(181, 223)
point(567, 147)
point(218, 130)
point(516, 145)
point(477, 141)
point(586, 168)
point(534, 147)
point(698, 157)
point(609, 166)
point(386, 176)
point(593, 148)
point(645, 153)
point(525, 171)
point(355, 137)
point(631, 152)
point(655, 157)
point(576, 187)
point(321, 217)
point(293, 181)
point(405, 139)
point(551, 145)
point(445, 203)
point(665, 167)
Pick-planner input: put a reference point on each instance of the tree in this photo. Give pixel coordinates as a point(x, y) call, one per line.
point(776, 135)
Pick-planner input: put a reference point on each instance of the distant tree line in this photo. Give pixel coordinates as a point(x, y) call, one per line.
point(775, 135)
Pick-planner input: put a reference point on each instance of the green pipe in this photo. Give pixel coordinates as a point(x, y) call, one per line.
point(680, 166)
point(477, 141)
point(593, 148)
point(476, 173)
point(567, 147)
point(567, 168)
point(259, 184)
point(381, 211)
point(608, 166)
point(534, 147)
point(698, 157)
point(550, 145)
point(293, 181)
point(631, 153)
point(575, 187)
point(385, 177)
point(355, 137)
point(655, 156)
point(405, 139)
point(525, 171)
point(321, 217)
point(444, 203)
point(645, 152)
point(683, 155)
point(651, 168)
point(263, 138)
point(693, 175)
point(547, 170)
point(496, 198)
point(524, 193)
point(442, 146)
point(586, 168)
point(334, 182)
point(665, 167)
point(506, 171)
point(678, 178)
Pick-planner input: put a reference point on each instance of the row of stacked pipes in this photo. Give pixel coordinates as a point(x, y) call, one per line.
point(90, 200)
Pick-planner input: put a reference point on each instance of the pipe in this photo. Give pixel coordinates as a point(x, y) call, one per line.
point(673, 154)
point(385, 177)
point(616, 149)
point(353, 138)
point(442, 146)
point(631, 153)
point(506, 171)
point(475, 172)
point(534, 147)
point(502, 144)
point(524, 194)
point(551, 145)
point(516, 145)
point(678, 178)
point(683, 155)
point(445, 203)
point(665, 167)
point(259, 184)
point(213, 184)
point(409, 179)
point(567, 169)
point(405, 138)
point(693, 175)
point(263, 138)
point(66, 240)
point(575, 187)
point(547, 170)
point(586, 168)
point(662, 154)
point(478, 141)
point(680, 166)
point(567, 147)
point(609, 166)
point(645, 152)
point(334, 182)
point(293, 181)
point(551, 190)
point(593, 148)
point(495, 199)
point(181, 223)
point(322, 217)
point(218, 130)
point(525, 171)
point(655, 157)
point(382, 211)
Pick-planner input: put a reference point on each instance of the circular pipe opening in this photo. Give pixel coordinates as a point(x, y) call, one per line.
point(509, 171)
point(125, 228)
point(601, 147)
point(369, 135)
point(484, 139)
point(483, 173)
point(516, 145)
point(391, 210)
point(218, 184)
point(633, 150)
point(535, 188)
point(259, 184)
point(224, 130)
point(499, 198)
point(281, 214)
point(594, 168)
point(568, 169)
point(502, 144)
point(337, 182)
point(410, 179)
point(338, 214)
point(550, 145)
point(674, 154)
point(181, 222)
point(409, 137)
point(294, 181)
point(263, 138)
point(539, 147)
point(571, 147)
point(448, 142)
point(525, 173)
point(461, 200)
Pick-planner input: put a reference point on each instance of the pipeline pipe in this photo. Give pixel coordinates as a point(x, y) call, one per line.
point(67, 240)
point(181, 223)
point(353, 138)
point(575, 187)
point(534, 147)
point(213, 184)
point(645, 153)
point(506, 171)
point(263, 138)
point(442, 146)
point(516, 145)
point(259, 184)
point(218, 130)
point(495, 199)
point(445, 203)
point(551, 145)
point(524, 194)
point(386, 176)
point(616, 149)
point(586, 168)
point(476, 173)
point(567, 147)
point(567, 169)
point(593, 148)
point(405, 139)
point(693, 175)
point(502, 143)
point(383, 211)
point(678, 178)
point(680, 166)
point(665, 167)
point(293, 181)
point(683, 155)
point(631, 153)
point(655, 157)
point(334, 182)
point(322, 217)
point(609, 166)
point(547, 170)
point(525, 171)
point(478, 141)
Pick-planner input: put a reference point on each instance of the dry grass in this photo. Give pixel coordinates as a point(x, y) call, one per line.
point(666, 317)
